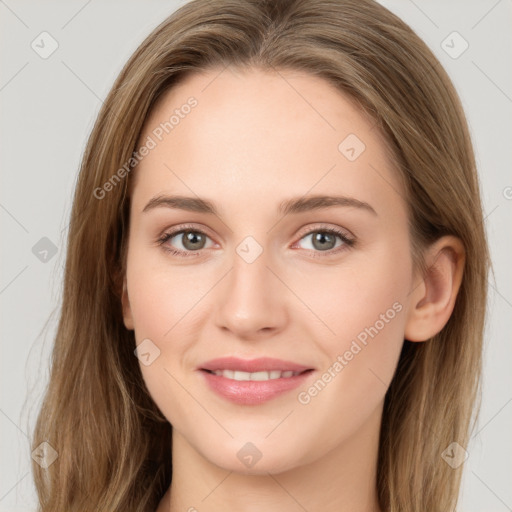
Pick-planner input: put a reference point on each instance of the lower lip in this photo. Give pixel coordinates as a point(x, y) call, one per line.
point(253, 392)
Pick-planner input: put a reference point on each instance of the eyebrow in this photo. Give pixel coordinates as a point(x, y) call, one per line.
point(289, 206)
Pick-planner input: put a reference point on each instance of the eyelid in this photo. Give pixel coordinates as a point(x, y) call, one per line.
point(324, 227)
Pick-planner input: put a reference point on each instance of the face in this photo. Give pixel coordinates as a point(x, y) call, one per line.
point(268, 270)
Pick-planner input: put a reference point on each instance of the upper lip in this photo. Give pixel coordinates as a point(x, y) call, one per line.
point(252, 365)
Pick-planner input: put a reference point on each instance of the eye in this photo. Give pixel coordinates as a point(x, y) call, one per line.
point(324, 240)
point(192, 241)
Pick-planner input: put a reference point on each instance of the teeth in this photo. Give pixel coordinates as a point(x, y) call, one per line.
point(230, 374)
point(258, 376)
point(242, 376)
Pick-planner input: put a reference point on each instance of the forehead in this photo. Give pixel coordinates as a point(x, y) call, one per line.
point(254, 134)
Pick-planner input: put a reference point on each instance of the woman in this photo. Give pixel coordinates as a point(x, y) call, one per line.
point(215, 351)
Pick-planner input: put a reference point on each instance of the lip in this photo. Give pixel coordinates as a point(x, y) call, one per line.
point(252, 392)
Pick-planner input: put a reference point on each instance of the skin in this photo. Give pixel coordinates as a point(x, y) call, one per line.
point(253, 141)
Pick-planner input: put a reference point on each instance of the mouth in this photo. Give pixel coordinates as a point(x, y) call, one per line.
point(264, 375)
point(253, 382)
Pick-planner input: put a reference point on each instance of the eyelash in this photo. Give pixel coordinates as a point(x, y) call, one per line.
point(347, 242)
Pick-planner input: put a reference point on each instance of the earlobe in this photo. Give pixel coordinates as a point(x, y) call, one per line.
point(127, 312)
point(433, 299)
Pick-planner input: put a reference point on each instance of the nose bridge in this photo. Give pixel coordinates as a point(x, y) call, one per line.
point(251, 298)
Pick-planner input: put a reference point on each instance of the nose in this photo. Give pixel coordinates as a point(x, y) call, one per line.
point(252, 300)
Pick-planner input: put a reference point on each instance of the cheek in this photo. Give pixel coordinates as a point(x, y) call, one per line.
point(351, 297)
point(161, 298)
point(363, 326)
point(359, 365)
point(164, 303)
point(161, 303)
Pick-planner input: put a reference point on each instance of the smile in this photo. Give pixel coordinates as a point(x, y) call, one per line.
point(252, 382)
point(255, 376)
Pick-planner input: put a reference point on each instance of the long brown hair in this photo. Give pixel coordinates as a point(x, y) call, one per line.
point(113, 443)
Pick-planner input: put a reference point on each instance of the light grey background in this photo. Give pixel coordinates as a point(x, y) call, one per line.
point(48, 108)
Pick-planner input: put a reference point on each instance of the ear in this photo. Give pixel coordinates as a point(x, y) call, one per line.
point(433, 298)
point(127, 311)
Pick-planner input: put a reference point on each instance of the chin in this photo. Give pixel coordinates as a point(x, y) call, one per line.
point(248, 459)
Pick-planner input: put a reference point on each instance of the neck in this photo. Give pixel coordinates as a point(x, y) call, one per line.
point(343, 480)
